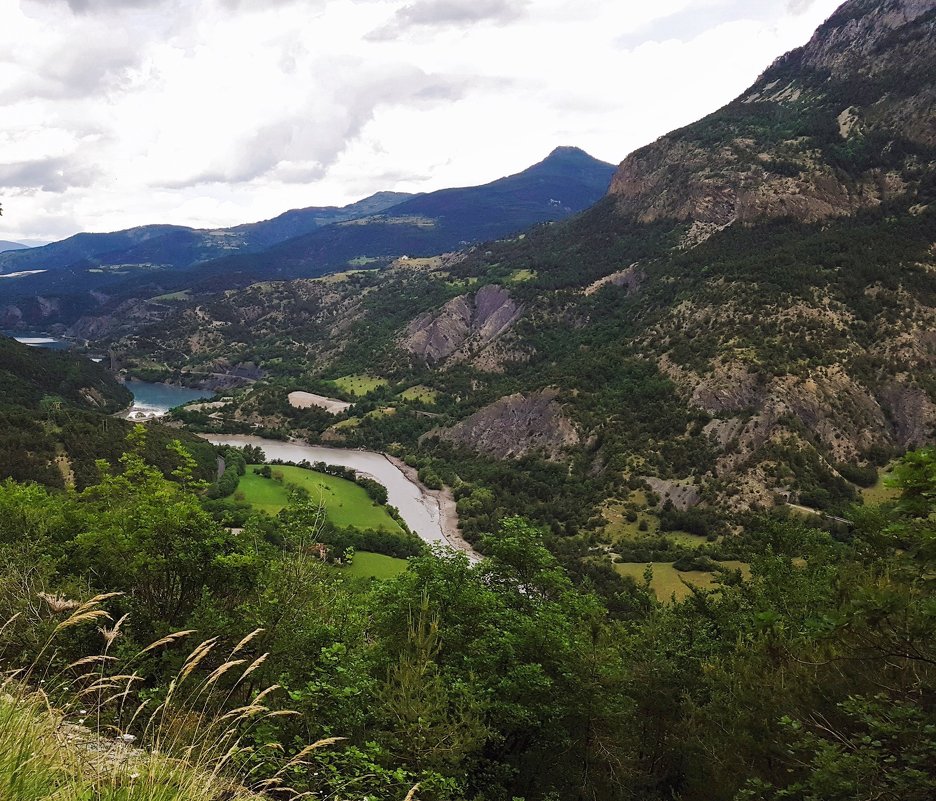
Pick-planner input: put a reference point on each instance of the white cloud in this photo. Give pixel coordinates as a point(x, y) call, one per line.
point(214, 112)
point(446, 13)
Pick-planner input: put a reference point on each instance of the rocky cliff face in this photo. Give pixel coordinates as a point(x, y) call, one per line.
point(842, 124)
point(517, 425)
point(465, 325)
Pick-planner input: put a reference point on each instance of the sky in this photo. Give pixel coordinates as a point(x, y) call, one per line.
point(116, 113)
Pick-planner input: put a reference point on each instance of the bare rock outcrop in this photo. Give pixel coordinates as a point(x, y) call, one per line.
point(912, 414)
point(732, 167)
point(515, 426)
point(681, 495)
point(463, 326)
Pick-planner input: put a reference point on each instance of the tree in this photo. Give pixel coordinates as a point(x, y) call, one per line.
point(149, 537)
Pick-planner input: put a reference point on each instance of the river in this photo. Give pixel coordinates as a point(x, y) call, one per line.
point(422, 509)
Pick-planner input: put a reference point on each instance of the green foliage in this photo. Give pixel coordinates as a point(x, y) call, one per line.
point(811, 677)
point(30, 375)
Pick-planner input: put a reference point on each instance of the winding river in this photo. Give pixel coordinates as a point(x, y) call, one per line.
point(429, 515)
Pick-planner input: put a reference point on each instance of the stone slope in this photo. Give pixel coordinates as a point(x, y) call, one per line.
point(465, 325)
point(842, 124)
point(516, 426)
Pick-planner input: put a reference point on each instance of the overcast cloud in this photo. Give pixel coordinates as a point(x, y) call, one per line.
point(116, 113)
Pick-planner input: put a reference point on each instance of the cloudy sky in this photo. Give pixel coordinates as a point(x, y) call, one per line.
point(116, 113)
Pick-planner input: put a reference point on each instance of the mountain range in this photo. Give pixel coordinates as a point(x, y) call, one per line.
point(86, 271)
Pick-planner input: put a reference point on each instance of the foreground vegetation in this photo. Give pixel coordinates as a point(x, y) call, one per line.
point(812, 677)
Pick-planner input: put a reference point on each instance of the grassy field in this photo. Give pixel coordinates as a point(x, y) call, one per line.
point(359, 384)
point(185, 294)
point(668, 581)
point(420, 394)
point(374, 565)
point(346, 504)
point(520, 276)
point(262, 493)
point(880, 492)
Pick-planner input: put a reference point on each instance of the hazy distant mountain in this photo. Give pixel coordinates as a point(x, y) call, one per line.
point(5, 246)
point(180, 246)
point(566, 182)
point(301, 221)
point(87, 270)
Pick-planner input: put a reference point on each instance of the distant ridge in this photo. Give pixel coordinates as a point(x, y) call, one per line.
point(84, 273)
point(181, 246)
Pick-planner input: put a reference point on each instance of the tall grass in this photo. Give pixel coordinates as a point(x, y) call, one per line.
point(90, 730)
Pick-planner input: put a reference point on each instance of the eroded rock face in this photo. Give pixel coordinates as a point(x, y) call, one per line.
point(751, 174)
point(463, 326)
point(683, 496)
point(515, 426)
point(912, 414)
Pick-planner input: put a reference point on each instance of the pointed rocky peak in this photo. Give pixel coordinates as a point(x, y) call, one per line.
point(843, 123)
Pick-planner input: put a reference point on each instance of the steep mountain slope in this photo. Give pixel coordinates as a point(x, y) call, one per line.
point(747, 315)
point(842, 124)
point(55, 420)
point(28, 375)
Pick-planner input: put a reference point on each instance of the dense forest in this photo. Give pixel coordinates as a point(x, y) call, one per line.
point(813, 678)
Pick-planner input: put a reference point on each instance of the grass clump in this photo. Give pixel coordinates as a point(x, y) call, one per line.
point(89, 730)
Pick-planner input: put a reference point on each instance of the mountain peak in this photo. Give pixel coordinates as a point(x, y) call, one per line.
point(564, 151)
point(840, 124)
point(568, 154)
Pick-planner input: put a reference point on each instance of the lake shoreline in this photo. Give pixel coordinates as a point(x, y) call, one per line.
point(153, 400)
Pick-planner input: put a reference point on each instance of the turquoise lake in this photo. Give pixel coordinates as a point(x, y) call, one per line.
point(157, 399)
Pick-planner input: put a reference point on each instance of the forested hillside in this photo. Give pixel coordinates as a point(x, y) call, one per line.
point(810, 678)
point(55, 418)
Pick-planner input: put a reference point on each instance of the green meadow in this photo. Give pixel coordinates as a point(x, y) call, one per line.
point(420, 393)
point(374, 565)
point(668, 581)
point(359, 384)
point(346, 504)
